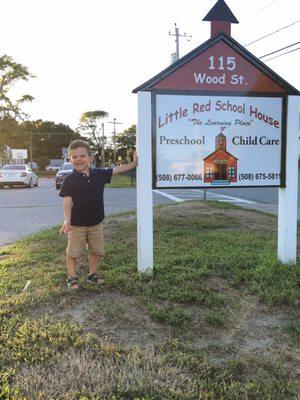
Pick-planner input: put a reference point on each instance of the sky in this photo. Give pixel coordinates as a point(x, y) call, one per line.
point(90, 54)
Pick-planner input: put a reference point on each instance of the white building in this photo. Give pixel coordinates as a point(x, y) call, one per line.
point(19, 156)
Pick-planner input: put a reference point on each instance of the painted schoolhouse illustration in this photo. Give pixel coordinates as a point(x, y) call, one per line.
point(220, 167)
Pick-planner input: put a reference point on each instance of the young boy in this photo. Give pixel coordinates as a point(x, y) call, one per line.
point(84, 209)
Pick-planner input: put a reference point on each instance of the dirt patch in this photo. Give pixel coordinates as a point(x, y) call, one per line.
point(247, 219)
point(110, 316)
point(253, 220)
point(249, 328)
point(255, 329)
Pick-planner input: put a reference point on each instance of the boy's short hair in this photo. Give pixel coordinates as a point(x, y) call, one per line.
point(79, 143)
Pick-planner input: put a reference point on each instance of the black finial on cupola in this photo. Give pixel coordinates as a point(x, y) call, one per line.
point(221, 18)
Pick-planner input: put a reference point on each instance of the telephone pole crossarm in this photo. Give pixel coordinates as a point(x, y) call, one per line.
point(114, 122)
point(177, 36)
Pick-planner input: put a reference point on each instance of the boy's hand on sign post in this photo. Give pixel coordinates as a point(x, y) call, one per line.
point(135, 159)
point(126, 167)
point(65, 228)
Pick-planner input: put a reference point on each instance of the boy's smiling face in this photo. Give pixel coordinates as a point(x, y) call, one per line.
point(80, 159)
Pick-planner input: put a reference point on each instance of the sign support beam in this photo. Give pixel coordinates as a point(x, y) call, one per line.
point(144, 185)
point(288, 196)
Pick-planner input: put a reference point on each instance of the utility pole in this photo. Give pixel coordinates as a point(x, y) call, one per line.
point(114, 135)
point(30, 149)
point(177, 36)
point(103, 151)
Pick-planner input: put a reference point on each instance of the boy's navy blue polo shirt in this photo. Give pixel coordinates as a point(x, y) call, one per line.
point(87, 195)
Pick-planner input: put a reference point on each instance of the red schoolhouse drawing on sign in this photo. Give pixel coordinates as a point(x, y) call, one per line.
point(220, 167)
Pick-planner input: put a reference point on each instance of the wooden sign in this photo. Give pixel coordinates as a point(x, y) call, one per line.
point(217, 141)
point(218, 117)
point(220, 68)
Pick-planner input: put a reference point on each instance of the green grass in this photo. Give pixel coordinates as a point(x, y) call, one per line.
point(121, 181)
point(171, 371)
point(214, 318)
point(117, 181)
point(206, 260)
point(175, 316)
point(293, 329)
point(43, 174)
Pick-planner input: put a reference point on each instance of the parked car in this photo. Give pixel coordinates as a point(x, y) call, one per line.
point(17, 174)
point(54, 165)
point(50, 168)
point(65, 170)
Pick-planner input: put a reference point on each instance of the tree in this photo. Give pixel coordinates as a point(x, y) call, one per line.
point(12, 72)
point(10, 133)
point(90, 125)
point(126, 142)
point(47, 139)
point(11, 112)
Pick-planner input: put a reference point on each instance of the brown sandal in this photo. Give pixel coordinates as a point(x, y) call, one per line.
point(72, 282)
point(94, 278)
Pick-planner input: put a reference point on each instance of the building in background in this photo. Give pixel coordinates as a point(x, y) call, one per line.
point(54, 164)
point(13, 156)
point(65, 156)
point(19, 156)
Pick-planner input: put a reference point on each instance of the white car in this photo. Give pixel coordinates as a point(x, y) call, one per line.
point(17, 174)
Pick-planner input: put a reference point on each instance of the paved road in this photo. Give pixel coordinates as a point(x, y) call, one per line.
point(260, 195)
point(24, 211)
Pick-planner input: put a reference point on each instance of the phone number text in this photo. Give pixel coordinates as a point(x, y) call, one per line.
point(178, 177)
point(260, 176)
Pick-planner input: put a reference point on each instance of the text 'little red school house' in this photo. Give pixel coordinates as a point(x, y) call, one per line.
point(220, 167)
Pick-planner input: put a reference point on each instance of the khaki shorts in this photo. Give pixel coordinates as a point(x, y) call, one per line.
point(91, 236)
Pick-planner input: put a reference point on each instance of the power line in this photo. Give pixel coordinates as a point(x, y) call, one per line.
point(276, 51)
point(272, 33)
point(258, 12)
point(287, 52)
point(245, 4)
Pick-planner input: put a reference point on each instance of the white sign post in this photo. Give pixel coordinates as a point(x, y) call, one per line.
point(144, 185)
point(288, 196)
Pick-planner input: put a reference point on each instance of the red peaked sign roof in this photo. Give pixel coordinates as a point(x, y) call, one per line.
point(220, 64)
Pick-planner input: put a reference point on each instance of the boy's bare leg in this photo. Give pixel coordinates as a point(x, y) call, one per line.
point(93, 262)
point(71, 266)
